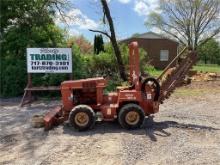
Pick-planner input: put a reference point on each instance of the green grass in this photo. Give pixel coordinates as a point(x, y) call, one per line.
point(189, 92)
point(199, 67)
point(152, 71)
point(207, 68)
point(155, 73)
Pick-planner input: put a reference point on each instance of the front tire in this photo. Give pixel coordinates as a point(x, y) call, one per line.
point(131, 116)
point(82, 117)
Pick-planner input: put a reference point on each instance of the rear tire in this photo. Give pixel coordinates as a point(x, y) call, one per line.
point(82, 117)
point(131, 116)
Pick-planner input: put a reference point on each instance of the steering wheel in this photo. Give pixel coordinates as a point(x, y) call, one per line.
point(153, 83)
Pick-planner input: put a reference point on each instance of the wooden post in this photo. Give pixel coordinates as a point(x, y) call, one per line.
point(29, 85)
point(71, 76)
point(29, 80)
point(27, 97)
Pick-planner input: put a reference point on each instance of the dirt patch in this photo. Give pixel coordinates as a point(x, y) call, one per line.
point(185, 131)
point(208, 76)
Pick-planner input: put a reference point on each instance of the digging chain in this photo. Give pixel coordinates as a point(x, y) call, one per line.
point(177, 76)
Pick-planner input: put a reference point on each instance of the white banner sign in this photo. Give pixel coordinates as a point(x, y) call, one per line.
point(49, 60)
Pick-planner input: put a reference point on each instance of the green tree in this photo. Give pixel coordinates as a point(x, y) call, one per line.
point(27, 23)
point(191, 22)
point(98, 44)
point(210, 52)
point(84, 45)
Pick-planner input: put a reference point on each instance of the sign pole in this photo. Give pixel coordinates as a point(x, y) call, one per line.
point(71, 76)
point(29, 94)
point(27, 97)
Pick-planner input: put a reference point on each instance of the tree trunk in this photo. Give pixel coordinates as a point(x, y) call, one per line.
point(205, 60)
point(114, 41)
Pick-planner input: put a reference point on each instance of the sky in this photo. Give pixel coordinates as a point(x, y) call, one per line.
point(129, 17)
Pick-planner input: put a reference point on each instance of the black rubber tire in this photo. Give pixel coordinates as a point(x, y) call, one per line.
point(86, 109)
point(128, 108)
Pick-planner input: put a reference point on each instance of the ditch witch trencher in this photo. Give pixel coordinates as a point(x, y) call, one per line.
point(84, 100)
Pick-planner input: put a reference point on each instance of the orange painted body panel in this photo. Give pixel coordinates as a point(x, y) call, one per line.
point(92, 87)
point(134, 65)
point(51, 118)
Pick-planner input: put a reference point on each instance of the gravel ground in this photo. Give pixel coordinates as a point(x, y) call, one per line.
point(185, 131)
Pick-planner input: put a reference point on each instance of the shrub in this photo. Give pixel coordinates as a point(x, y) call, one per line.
point(102, 65)
point(13, 77)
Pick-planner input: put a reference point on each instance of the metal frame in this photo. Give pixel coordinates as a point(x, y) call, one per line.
point(28, 98)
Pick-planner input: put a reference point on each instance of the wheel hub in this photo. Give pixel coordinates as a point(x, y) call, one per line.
point(132, 117)
point(81, 119)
